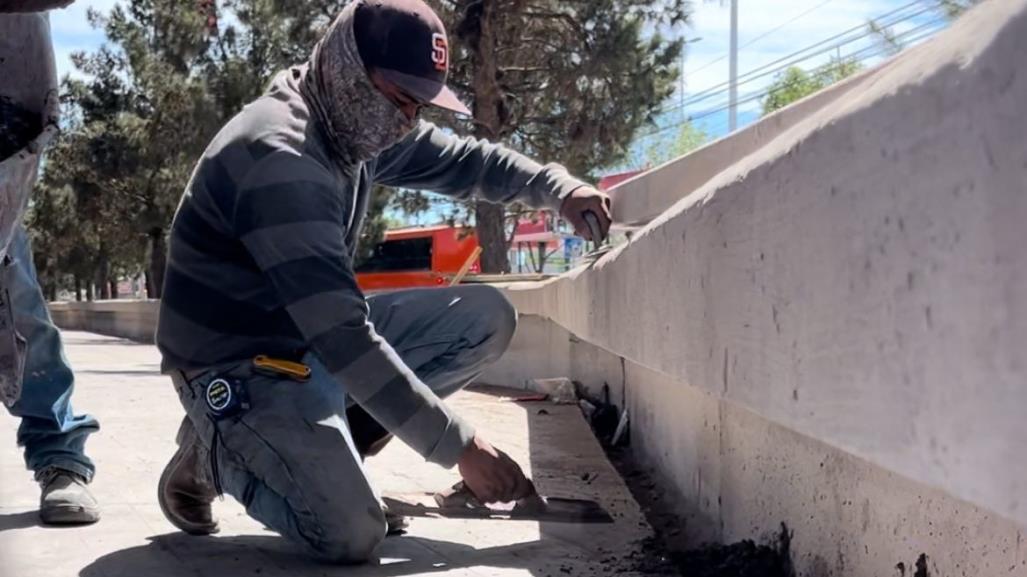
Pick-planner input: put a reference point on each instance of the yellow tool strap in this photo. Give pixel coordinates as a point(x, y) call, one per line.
point(297, 371)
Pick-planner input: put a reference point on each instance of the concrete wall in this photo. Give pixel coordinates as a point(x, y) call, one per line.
point(641, 199)
point(853, 292)
point(130, 319)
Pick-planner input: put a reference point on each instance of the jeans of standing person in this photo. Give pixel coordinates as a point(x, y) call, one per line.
point(50, 432)
point(290, 458)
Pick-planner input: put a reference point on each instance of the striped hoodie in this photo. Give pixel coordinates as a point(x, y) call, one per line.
point(262, 244)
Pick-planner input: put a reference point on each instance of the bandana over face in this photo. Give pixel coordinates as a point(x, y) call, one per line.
point(358, 119)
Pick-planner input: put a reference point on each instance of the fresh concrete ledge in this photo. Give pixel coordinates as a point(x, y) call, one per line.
point(130, 319)
point(643, 198)
point(738, 475)
point(853, 291)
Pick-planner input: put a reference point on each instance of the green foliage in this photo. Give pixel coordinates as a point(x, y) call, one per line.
point(571, 82)
point(565, 81)
point(795, 83)
point(686, 139)
point(893, 42)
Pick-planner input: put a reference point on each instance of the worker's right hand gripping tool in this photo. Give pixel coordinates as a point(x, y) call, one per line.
point(596, 232)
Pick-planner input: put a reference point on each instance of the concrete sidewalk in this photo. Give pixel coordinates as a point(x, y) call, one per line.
point(119, 382)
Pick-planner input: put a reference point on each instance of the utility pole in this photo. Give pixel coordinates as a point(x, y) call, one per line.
point(733, 72)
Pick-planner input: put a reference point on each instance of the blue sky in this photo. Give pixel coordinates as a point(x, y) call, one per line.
point(768, 31)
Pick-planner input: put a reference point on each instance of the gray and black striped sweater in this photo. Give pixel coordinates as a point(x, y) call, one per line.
point(262, 244)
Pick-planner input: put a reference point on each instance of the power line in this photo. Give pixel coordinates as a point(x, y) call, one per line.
point(910, 36)
point(764, 35)
point(800, 56)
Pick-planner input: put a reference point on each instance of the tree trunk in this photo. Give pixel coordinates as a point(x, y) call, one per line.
point(114, 288)
point(78, 289)
point(103, 274)
point(489, 219)
point(89, 292)
point(51, 293)
point(158, 261)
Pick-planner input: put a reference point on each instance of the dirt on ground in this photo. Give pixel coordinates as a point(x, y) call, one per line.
point(18, 127)
point(672, 551)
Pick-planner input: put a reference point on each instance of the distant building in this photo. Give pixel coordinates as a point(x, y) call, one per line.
point(544, 243)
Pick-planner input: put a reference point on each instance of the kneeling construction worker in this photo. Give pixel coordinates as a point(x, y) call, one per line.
point(288, 374)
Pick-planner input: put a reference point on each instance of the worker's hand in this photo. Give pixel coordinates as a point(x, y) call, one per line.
point(583, 200)
point(491, 475)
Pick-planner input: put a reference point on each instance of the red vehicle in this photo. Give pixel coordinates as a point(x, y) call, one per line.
point(418, 257)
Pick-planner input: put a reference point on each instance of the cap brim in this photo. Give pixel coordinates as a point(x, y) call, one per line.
point(427, 91)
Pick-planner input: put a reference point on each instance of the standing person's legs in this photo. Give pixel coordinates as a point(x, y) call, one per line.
point(53, 436)
point(447, 336)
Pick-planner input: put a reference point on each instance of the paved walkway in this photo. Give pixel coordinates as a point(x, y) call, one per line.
point(119, 382)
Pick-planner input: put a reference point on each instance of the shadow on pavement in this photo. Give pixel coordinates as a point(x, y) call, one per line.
point(23, 520)
point(271, 556)
point(99, 340)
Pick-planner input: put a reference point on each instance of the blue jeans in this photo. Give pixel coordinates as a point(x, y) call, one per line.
point(50, 431)
point(290, 458)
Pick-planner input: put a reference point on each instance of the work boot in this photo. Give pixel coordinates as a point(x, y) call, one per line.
point(65, 499)
point(396, 524)
point(186, 489)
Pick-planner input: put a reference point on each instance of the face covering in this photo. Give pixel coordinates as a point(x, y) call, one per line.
point(358, 119)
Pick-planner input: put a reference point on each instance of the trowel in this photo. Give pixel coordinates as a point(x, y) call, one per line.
point(599, 244)
point(458, 502)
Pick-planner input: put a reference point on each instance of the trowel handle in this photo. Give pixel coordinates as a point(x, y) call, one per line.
point(596, 231)
point(459, 495)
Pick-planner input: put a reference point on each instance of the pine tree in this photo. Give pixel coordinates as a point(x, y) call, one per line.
point(565, 81)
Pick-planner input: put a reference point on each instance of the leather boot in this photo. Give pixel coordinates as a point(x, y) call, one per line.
point(186, 489)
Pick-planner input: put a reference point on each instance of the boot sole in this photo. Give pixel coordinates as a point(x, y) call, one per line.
point(178, 522)
point(69, 515)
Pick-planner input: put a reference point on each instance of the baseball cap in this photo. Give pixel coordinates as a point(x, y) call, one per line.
point(406, 42)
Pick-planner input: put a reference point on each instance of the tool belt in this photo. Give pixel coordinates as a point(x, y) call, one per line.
point(225, 391)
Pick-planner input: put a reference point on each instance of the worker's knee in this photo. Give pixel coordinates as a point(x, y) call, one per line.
point(498, 319)
point(354, 539)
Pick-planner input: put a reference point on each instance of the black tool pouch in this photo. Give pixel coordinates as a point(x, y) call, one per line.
point(226, 397)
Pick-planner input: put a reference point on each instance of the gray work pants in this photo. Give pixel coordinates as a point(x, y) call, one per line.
point(290, 458)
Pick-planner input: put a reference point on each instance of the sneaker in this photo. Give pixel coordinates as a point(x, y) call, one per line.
point(66, 500)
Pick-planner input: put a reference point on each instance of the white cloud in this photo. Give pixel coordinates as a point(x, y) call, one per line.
point(72, 32)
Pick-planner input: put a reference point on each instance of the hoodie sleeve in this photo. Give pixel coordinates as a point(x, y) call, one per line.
point(432, 159)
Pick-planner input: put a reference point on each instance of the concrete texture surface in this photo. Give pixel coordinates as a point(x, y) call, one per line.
point(119, 382)
point(856, 285)
point(731, 474)
point(860, 279)
point(130, 319)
